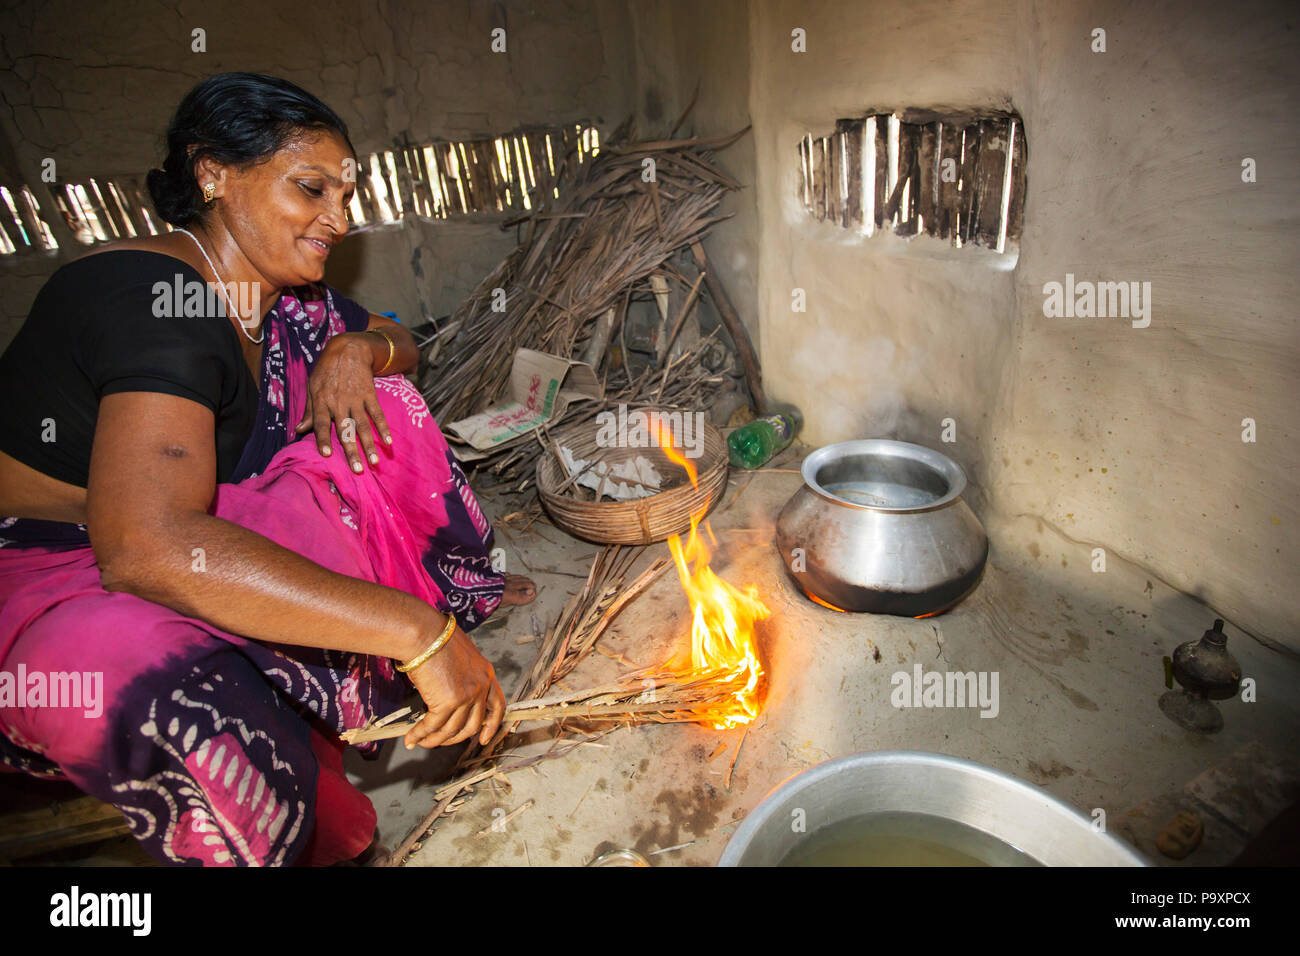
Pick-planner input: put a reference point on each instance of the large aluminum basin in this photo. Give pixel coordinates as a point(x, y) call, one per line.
point(1033, 821)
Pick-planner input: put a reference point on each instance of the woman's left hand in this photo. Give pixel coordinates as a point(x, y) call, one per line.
point(341, 390)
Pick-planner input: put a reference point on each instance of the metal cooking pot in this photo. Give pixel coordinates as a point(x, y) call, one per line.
point(880, 526)
point(1048, 830)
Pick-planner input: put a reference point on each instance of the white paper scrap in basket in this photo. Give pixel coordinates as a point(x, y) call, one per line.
point(602, 478)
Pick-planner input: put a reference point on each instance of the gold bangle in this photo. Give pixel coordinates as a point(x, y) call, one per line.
point(433, 648)
point(392, 349)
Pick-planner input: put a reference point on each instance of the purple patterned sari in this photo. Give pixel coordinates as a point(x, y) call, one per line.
point(208, 742)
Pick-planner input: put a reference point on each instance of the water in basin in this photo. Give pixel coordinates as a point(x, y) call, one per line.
point(903, 839)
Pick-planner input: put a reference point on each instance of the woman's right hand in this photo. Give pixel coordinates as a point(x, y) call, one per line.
point(461, 691)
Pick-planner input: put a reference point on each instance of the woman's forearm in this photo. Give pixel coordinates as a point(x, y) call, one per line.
point(214, 570)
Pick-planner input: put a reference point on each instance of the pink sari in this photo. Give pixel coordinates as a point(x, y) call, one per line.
point(210, 743)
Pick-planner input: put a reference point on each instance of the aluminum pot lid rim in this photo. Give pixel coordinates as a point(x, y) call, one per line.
point(953, 472)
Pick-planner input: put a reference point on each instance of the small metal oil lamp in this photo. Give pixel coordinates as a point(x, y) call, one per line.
point(1206, 672)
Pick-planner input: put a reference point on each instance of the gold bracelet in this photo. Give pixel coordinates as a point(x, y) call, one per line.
point(433, 648)
point(392, 349)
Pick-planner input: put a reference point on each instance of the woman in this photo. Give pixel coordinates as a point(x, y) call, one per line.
point(243, 596)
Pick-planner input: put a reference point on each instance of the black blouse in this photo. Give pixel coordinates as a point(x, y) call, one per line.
point(108, 323)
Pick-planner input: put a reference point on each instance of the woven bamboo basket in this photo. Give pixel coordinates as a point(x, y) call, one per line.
point(641, 520)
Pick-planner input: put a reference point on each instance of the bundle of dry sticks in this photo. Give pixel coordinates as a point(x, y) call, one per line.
point(641, 696)
point(636, 210)
point(657, 695)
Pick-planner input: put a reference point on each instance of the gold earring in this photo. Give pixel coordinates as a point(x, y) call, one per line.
point(209, 192)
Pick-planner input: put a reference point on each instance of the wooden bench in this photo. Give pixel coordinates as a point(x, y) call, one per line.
point(40, 816)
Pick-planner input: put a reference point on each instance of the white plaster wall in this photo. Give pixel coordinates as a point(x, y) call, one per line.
point(1126, 438)
point(1132, 438)
point(896, 336)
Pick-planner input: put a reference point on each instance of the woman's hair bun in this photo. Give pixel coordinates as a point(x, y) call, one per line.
point(175, 193)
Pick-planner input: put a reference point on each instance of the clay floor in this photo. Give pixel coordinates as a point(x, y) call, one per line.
point(1079, 661)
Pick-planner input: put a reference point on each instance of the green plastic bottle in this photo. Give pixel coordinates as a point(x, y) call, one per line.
point(749, 446)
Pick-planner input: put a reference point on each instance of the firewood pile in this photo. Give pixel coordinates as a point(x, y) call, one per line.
point(569, 640)
point(626, 227)
point(663, 693)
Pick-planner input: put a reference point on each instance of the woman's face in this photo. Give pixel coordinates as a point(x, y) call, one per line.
point(286, 214)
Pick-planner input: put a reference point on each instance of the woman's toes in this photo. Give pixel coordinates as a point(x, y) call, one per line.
point(519, 590)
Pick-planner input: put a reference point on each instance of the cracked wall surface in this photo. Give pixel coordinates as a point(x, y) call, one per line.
point(93, 86)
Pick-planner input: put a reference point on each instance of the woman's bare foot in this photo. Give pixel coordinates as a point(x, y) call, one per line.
point(519, 590)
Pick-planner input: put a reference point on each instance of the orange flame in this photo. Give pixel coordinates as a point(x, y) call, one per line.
point(666, 445)
point(816, 600)
point(723, 647)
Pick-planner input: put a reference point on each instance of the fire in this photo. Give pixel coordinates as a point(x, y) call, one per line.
point(816, 600)
point(723, 646)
